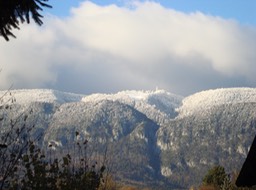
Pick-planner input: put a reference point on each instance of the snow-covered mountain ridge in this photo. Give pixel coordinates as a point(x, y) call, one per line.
point(152, 101)
point(131, 96)
point(205, 100)
point(158, 105)
point(163, 135)
point(23, 96)
point(26, 96)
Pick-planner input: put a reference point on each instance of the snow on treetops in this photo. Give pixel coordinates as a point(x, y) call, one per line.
point(25, 96)
point(195, 103)
point(207, 99)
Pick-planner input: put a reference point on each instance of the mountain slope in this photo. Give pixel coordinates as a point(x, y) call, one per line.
point(204, 101)
point(153, 137)
point(213, 127)
point(40, 95)
point(157, 105)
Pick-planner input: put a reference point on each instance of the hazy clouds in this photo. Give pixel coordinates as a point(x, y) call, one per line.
point(143, 46)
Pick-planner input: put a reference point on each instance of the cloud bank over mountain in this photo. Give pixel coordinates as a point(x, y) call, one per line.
point(140, 46)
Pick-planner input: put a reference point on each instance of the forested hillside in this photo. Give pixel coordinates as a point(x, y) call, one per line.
point(150, 137)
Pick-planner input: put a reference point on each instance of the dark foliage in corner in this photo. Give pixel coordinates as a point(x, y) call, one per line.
point(217, 179)
point(12, 12)
point(247, 176)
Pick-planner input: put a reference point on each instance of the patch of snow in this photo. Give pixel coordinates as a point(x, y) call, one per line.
point(203, 161)
point(191, 164)
point(167, 145)
point(166, 171)
point(132, 95)
point(54, 144)
point(241, 150)
point(162, 145)
point(205, 100)
point(141, 135)
point(157, 105)
point(27, 96)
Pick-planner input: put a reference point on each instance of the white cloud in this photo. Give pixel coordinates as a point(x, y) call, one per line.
point(110, 48)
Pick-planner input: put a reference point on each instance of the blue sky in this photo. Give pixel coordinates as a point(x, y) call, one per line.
point(108, 46)
point(241, 10)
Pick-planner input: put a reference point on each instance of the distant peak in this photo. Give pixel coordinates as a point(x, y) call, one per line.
point(23, 96)
point(207, 99)
point(135, 95)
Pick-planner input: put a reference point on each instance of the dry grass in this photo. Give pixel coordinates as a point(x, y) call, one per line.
point(207, 187)
point(128, 188)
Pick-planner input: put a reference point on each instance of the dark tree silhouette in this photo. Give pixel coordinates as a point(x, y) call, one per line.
point(247, 175)
point(14, 12)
